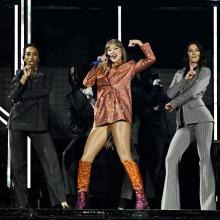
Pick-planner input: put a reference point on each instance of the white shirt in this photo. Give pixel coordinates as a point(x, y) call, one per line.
point(89, 95)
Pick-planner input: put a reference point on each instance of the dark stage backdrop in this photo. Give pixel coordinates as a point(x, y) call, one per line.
point(69, 35)
point(73, 35)
point(79, 35)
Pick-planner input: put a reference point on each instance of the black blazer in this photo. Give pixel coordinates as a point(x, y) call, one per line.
point(31, 101)
point(79, 112)
point(149, 103)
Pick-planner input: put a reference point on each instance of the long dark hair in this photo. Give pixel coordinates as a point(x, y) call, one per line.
point(202, 59)
point(81, 71)
point(31, 45)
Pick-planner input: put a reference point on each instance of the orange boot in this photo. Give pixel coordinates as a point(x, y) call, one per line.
point(84, 172)
point(137, 184)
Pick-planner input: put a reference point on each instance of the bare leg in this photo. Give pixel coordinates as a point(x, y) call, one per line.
point(121, 131)
point(94, 144)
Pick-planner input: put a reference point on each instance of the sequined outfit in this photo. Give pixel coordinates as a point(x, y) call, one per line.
point(114, 89)
point(84, 173)
point(134, 175)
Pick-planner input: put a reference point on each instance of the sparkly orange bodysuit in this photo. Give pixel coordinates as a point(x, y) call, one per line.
point(114, 89)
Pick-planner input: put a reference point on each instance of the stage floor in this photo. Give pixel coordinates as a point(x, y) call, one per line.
point(94, 214)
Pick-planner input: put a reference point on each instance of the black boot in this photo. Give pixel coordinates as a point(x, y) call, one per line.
point(122, 204)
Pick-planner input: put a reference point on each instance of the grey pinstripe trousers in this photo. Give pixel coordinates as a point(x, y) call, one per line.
point(202, 132)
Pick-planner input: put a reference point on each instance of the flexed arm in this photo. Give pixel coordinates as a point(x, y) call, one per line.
point(20, 91)
point(199, 85)
point(176, 87)
point(143, 63)
point(17, 88)
point(40, 91)
point(18, 83)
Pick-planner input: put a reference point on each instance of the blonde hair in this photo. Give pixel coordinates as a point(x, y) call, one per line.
point(108, 65)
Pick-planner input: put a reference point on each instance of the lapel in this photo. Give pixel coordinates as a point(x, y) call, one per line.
point(111, 74)
point(191, 81)
point(37, 78)
point(38, 73)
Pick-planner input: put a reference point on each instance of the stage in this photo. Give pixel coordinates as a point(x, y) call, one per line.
point(106, 214)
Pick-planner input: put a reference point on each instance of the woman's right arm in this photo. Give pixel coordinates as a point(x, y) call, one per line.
point(18, 82)
point(199, 85)
point(91, 77)
point(143, 63)
point(17, 88)
point(176, 87)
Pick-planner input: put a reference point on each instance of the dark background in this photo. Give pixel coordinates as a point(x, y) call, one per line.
point(77, 31)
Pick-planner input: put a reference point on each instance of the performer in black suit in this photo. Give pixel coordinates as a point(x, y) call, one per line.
point(30, 91)
point(79, 106)
point(149, 103)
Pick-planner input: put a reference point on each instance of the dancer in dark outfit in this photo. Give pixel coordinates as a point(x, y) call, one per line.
point(30, 91)
point(148, 101)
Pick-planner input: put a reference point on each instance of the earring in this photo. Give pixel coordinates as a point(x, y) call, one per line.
point(39, 61)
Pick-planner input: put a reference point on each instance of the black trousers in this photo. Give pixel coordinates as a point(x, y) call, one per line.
point(70, 161)
point(44, 146)
point(152, 151)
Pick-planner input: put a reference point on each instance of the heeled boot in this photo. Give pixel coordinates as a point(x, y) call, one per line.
point(137, 184)
point(84, 172)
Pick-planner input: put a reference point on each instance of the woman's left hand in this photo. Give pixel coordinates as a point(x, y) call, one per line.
point(168, 107)
point(190, 74)
point(104, 60)
point(132, 43)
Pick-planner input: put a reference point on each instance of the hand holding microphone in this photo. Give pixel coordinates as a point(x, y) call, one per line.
point(101, 60)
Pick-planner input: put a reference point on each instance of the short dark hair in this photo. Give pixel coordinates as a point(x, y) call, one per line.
point(202, 59)
point(31, 45)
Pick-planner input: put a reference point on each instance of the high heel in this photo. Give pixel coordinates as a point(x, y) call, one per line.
point(65, 205)
point(137, 184)
point(84, 172)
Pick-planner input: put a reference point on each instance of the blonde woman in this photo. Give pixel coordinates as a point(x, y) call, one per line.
point(113, 114)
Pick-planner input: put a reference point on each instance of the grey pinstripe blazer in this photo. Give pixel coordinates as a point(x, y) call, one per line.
point(188, 95)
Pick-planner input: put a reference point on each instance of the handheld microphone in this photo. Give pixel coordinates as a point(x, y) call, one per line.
point(99, 61)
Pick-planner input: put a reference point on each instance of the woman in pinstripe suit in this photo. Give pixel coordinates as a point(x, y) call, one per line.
point(194, 121)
